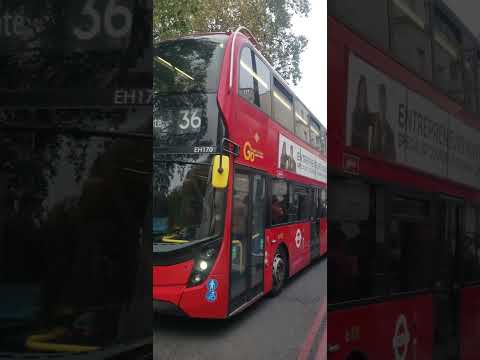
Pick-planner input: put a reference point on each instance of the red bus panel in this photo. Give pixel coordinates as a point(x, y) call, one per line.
point(470, 322)
point(397, 336)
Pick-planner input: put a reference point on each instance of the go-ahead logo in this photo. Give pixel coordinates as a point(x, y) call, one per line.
point(250, 154)
point(401, 339)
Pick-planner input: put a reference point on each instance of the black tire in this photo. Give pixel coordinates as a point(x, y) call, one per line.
point(279, 271)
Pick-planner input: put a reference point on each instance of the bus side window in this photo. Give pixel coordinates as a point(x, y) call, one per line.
point(247, 84)
point(322, 203)
point(315, 134)
point(282, 105)
point(254, 81)
point(409, 236)
point(280, 202)
point(302, 117)
point(471, 266)
point(300, 207)
point(357, 249)
point(293, 204)
point(264, 92)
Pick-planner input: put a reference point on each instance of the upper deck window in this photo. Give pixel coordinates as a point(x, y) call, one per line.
point(410, 39)
point(425, 36)
point(282, 105)
point(317, 135)
point(368, 18)
point(254, 80)
point(448, 71)
point(188, 65)
point(470, 74)
point(302, 118)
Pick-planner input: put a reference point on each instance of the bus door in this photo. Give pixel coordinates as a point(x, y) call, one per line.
point(447, 282)
point(247, 237)
point(315, 224)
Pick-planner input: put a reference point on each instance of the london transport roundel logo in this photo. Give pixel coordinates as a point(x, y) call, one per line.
point(298, 238)
point(401, 339)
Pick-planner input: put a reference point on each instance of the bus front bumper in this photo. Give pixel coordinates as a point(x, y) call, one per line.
point(167, 308)
point(191, 302)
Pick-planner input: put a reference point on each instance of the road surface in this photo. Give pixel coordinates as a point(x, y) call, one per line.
point(291, 326)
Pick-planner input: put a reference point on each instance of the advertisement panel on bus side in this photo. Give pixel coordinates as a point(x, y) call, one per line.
point(389, 120)
point(294, 158)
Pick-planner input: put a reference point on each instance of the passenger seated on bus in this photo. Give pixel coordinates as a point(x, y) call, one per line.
point(278, 214)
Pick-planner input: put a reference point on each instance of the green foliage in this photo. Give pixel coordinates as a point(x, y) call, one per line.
point(269, 20)
point(173, 18)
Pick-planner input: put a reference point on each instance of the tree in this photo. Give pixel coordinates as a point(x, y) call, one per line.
point(269, 20)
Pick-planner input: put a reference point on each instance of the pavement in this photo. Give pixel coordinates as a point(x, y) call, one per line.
point(291, 326)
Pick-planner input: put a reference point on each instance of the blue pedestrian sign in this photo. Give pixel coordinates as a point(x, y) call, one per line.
point(212, 286)
point(211, 296)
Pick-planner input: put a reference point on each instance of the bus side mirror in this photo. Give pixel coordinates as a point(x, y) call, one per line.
point(220, 171)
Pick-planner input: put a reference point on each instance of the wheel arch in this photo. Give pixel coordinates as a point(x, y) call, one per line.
point(284, 248)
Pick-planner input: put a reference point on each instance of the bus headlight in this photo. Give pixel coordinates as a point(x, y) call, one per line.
point(202, 266)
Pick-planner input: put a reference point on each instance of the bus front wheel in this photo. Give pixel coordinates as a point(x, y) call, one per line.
point(279, 271)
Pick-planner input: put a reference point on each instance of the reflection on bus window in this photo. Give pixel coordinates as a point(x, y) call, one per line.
point(188, 65)
point(186, 204)
point(254, 80)
point(282, 105)
point(302, 118)
point(72, 226)
point(357, 249)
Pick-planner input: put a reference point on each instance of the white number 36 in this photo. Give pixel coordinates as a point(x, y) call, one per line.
point(190, 119)
point(112, 10)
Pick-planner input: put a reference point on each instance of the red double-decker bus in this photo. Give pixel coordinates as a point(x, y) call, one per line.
point(239, 177)
point(404, 182)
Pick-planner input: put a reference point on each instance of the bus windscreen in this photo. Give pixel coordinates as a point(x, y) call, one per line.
point(188, 65)
point(187, 208)
point(76, 199)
